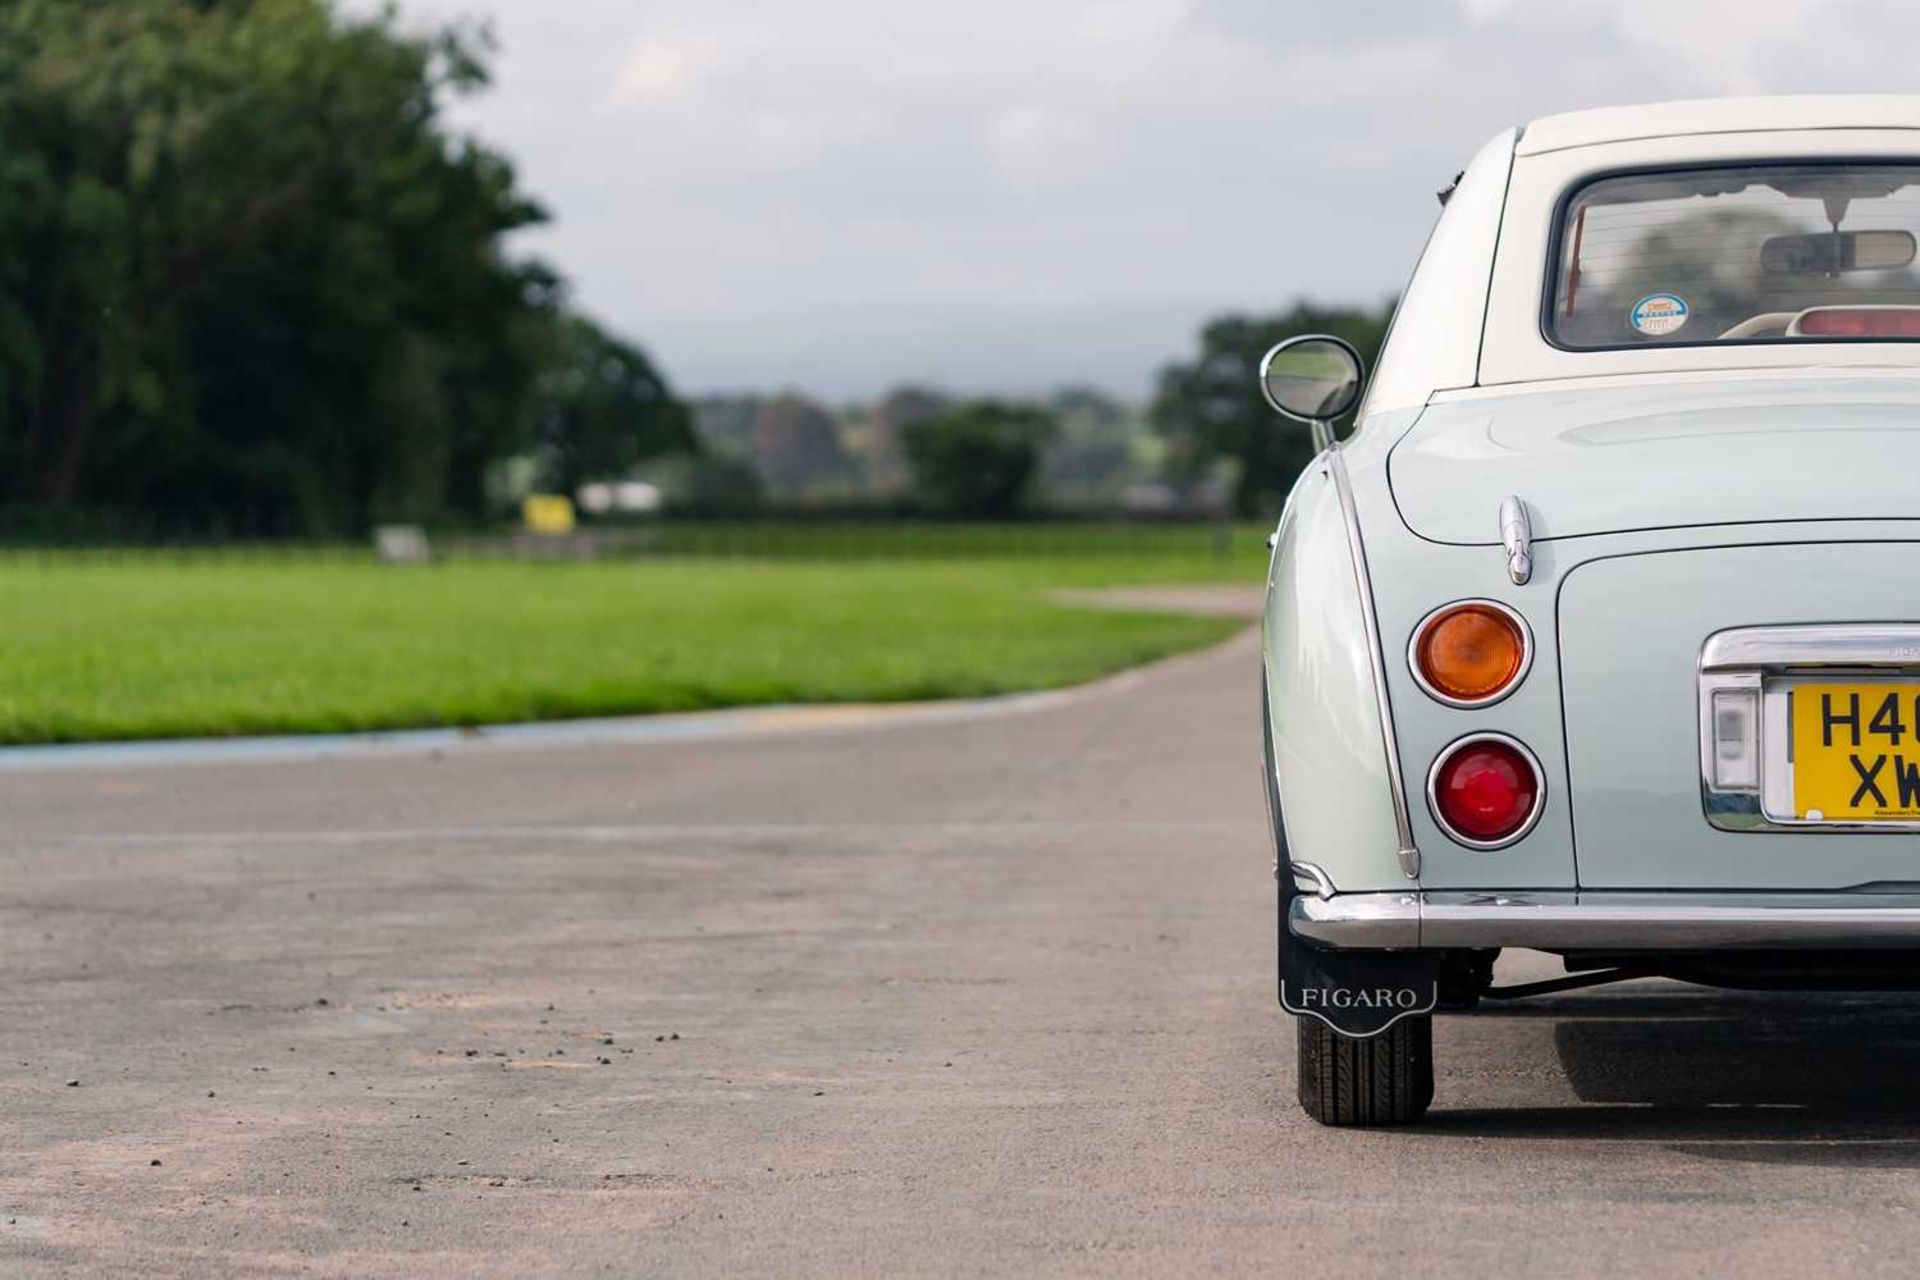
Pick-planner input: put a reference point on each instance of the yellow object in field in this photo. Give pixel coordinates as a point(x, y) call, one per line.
point(549, 513)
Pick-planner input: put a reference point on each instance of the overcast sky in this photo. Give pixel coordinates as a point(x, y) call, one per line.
point(838, 196)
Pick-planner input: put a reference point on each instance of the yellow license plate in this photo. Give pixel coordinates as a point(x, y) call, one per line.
point(1856, 751)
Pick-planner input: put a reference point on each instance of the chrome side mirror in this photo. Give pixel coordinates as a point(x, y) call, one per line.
point(1315, 379)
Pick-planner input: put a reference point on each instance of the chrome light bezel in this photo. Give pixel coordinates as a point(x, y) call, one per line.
point(1504, 691)
point(1527, 824)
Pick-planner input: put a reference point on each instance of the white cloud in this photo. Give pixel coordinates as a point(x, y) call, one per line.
point(1127, 21)
point(667, 64)
point(1039, 144)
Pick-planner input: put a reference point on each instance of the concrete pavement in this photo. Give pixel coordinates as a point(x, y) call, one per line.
point(984, 995)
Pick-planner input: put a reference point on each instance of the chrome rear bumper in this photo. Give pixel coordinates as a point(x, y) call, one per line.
point(1609, 921)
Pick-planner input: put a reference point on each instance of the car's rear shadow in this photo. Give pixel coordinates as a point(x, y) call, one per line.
point(1799, 1078)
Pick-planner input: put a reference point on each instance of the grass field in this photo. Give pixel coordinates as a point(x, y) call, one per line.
point(114, 647)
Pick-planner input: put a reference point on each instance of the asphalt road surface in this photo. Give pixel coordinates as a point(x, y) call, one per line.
point(854, 995)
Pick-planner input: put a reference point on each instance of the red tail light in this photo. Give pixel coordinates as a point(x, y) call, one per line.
point(1486, 791)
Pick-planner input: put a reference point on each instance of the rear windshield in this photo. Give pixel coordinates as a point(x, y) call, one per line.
point(1801, 252)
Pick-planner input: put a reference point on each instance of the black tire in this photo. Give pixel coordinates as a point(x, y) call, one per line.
point(1349, 1083)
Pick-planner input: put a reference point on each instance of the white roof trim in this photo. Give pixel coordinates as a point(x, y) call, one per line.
point(1719, 115)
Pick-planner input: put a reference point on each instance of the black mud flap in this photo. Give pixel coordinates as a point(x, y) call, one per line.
point(1357, 993)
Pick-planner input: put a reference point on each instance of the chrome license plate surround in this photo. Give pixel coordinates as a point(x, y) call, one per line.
point(1769, 662)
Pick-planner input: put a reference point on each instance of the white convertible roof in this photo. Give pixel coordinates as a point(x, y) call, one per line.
point(1720, 115)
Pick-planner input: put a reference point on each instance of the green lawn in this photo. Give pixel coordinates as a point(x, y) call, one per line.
point(97, 647)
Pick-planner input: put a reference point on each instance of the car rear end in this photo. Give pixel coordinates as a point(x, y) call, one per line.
point(1643, 597)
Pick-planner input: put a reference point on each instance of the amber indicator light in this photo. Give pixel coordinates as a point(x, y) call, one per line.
point(1471, 652)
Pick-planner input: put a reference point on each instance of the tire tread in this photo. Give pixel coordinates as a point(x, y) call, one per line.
point(1383, 1080)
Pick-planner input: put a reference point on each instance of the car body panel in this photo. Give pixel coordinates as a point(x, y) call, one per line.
point(1429, 347)
point(1708, 117)
point(1681, 450)
point(1631, 630)
point(1411, 576)
point(1329, 759)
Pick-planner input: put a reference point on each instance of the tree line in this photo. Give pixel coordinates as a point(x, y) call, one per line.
point(247, 269)
point(918, 450)
point(1206, 439)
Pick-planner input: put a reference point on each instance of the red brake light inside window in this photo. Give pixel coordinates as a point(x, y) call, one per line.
point(1861, 322)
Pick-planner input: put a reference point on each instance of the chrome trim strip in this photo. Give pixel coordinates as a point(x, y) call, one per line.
point(1358, 921)
point(1533, 814)
point(1610, 920)
point(1516, 535)
point(1409, 853)
point(1470, 704)
point(1308, 878)
point(1820, 645)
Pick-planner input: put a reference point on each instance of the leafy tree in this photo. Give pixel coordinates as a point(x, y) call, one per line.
point(601, 409)
point(1212, 409)
point(978, 458)
point(244, 268)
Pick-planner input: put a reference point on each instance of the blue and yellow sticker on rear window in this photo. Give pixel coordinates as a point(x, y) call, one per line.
point(1658, 314)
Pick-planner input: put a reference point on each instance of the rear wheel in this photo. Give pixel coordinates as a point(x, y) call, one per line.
point(1384, 1079)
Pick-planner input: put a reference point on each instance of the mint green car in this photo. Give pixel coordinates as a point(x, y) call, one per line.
point(1600, 632)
